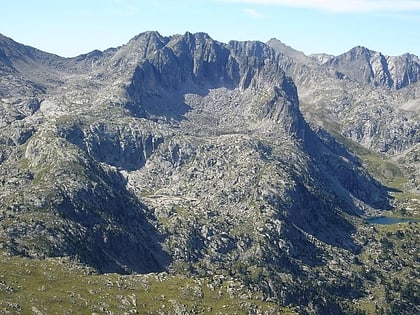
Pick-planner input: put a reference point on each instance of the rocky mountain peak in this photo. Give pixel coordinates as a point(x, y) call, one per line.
point(187, 155)
point(289, 52)
point(252, 49)
point(371, 67)
point(195, 62)
point(359, 52)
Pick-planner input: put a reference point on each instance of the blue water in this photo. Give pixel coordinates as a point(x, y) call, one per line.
point(390, 220)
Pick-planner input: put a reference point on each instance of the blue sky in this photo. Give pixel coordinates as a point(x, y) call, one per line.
point(70, 28)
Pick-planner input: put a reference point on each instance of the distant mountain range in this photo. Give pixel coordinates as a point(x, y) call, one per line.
point(186, 155)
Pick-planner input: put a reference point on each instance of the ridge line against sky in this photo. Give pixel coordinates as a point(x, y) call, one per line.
point(70, 28)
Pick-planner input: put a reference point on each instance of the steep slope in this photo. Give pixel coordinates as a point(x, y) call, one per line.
point(181, 154)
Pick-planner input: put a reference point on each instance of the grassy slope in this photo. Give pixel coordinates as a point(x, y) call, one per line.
point(59, 286)
point(389, 264)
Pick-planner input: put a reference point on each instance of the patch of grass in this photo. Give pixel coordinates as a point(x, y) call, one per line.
point(41, 174)
point(24, 164)
point(60, 286)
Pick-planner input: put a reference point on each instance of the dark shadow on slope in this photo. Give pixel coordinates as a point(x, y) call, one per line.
point(345, 174)
point(117, 232)
point(158, 94)
point(296, 211)
point(340, 149)
point(317, 214)
point(112, 143)
point(166, 107)
point(337, 184)
point(342, 186)
point(6, 67)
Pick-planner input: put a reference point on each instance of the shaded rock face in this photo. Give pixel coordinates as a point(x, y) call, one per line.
point(113, 144)
point(195, 64)
point(171, 153)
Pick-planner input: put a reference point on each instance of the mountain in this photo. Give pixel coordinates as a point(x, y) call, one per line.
point(366, 96)
point(371, 67)
point(185, 155)
point(360, 64)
